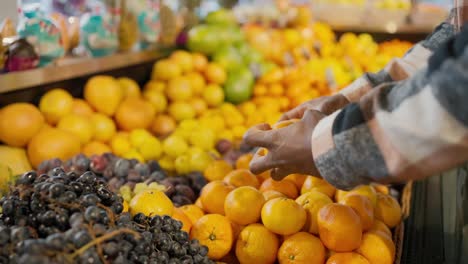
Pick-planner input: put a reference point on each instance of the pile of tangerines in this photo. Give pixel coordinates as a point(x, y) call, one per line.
point(247, 218)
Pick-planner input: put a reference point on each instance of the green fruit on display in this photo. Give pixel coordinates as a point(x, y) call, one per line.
point(221, 17)
point(229, 58)
point(238, 87)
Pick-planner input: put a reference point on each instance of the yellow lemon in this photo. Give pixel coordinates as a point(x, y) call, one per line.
point(182, 165)
point(134, 154)
point(213, 95)
point(129, 87)
point(174, 146)
point(151, 149)
point(120, 144)
point(181, 110)
point(197, 81)
point(55, 104)
point(203, 138)
point(157, 99)
point(155, 86)
point(179, 89)
point(167, 163)
point(151, 203)
point(138, 137)
point(104, 127)
point(78, 125)
point(199, 161)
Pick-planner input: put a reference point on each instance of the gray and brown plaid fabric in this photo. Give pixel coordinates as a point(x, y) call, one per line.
point(403, 123)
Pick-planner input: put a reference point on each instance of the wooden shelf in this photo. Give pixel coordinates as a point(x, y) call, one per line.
point(69, 68)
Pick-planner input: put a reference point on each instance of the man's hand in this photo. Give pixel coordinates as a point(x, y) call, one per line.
point(326, 105)
point(289, 148)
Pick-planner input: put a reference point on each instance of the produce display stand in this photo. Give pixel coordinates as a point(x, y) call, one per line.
point(72, 73)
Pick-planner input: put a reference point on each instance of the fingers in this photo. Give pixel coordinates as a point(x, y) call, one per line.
point(259, 136)
point(261, 163)
point(292, 114)
point(313, 116)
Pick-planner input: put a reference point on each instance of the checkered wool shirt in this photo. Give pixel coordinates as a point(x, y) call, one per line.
point(408, 121)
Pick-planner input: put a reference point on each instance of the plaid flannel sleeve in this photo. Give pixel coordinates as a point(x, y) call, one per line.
point(401, 68)
point(400, 131)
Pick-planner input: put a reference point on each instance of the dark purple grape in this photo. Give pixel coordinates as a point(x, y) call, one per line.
point(90, 200)
point(121, 168)
point(223, 146)
point(142, 169)
point(181, 200)
point(186, 191)
point(56, 189)
point(134, 175)
point(81, 162)
point(28, 177)
point(92, 214)
point(154, 166)
point(98, 164)
point(87, 178)
point(81, 238)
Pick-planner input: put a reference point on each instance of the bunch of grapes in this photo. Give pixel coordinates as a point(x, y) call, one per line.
point(129, 177)
point(62, 217)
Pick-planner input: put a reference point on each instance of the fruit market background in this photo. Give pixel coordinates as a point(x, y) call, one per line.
point(121, 126)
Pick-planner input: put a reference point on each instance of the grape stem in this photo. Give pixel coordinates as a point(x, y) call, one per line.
point(103, 238)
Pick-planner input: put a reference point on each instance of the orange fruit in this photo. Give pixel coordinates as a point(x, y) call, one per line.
point(312, 202)
point(213, 195)
point(165, 70)
point(340, 194)
point(103, 126)
point(81, 107)
point(284, 124)
point(155, 86)
point(198, 105)
point(129, 87)
point(238, 178)
point(95, 148)
point(368, 191)
point(163, 125)
point(264, 176)
point(199, 204)
point(214, 73)
point(199, 61)
point(260, 89)
point(78, 125)
point(60, 144)
point(236, 209)
point(283, 216)
point(19, 123)
point(388, 210)
point(377, 248)
point(134, 113)
point(276, 89)
point(55, 104)
point(217, 170)
point(179, 89)
point(157, 100)
point(215, 232)
point(193, 212)
point(285, 187)
point(380, 226)
point(256, 244)
point(298, 179)
point(236, 230)
point(347, 258)
point(271, 194)
point(243, 161)
point(150, 203)
point(179, 215)
point(363, 207)
point(301, 248)
point(104, 94)
point(317, 184)
point(184, 59)
point(380, 188)
point(340, 227)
